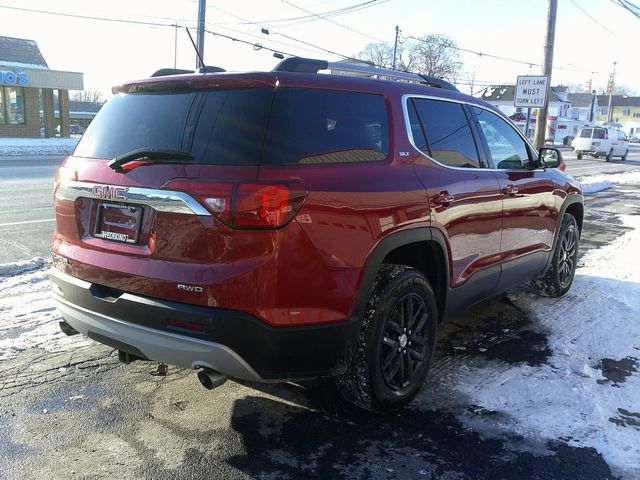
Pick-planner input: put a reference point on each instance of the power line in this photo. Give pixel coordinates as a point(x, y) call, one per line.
point(89, 17)
point(267, 31)
point(627, 5)
point(327, 19)
point(592, 18)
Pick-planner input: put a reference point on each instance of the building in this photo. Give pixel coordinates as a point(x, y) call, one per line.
point(581, 105)
point(561, 128)
point(625, 111)
point(27, 85)
point(502, 97)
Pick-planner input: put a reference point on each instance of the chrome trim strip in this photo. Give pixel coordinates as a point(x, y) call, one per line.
point(161, 200)
point(407, 124)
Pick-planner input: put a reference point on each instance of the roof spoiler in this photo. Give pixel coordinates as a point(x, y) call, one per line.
point(163, 72)
point(311, 65)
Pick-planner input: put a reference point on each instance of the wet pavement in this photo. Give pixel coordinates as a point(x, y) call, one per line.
point(81, 414)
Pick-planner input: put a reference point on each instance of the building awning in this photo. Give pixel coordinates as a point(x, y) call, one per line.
point(42, 78)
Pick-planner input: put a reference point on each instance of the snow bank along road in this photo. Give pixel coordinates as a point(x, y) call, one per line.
point(523, 387)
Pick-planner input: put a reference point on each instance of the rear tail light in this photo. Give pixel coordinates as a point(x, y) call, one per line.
point(63, 174)
point(247, 205)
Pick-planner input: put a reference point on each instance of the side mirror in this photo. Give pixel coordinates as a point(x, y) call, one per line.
point(550, 158)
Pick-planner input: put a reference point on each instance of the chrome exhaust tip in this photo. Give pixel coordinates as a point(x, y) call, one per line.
point(211, 379)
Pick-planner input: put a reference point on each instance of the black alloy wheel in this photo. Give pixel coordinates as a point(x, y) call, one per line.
point(404, 345)
point(397, 340)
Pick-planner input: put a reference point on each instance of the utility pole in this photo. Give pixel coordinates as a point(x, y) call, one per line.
point(610, 86)
point(202, 7)
point(541, 123)
point(395, 48)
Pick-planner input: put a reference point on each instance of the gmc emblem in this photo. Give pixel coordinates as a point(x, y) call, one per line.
point(109, 193)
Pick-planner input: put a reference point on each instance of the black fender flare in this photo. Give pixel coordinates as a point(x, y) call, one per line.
point(383, 248)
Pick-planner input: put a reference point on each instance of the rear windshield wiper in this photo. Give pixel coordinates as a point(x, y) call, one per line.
point(155, 155)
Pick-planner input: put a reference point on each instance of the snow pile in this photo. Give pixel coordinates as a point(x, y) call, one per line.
point(28, 318)
point(596, 183)
point(37, 146)
point(569, 398)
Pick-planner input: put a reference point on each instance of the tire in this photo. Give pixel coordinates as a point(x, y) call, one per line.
point(579, 155)
point(609, 155)
point(559, 278)
point(401, 314)
point(626, 154)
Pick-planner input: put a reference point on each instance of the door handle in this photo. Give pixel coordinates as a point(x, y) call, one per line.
point(510, 190)
point(444, 199)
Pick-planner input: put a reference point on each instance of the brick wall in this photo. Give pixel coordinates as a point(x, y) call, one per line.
point(31, 127)
point(63, 106)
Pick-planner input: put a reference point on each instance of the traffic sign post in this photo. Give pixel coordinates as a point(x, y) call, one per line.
point(531, 92)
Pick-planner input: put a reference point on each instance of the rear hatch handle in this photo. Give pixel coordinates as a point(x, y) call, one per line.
point(153, 155)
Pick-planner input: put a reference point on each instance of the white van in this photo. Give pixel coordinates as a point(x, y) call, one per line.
point(602, 141)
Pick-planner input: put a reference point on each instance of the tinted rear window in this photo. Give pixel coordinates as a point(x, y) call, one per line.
point(140, 120)
point(324, 126)
point(231, 126)
point(599, 133)
point(586, 133)
point(448, 133)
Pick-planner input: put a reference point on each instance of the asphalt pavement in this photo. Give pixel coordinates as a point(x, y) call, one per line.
point(81, 414)
point(26, 216)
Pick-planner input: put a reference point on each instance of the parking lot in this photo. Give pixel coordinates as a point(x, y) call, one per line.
point(523, 387)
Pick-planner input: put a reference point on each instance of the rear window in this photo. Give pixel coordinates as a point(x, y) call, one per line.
point(137, 120)
point(244, 126)
point(586, 132)
point(326, 126)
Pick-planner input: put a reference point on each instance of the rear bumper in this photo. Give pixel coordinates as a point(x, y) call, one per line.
point(230, 342)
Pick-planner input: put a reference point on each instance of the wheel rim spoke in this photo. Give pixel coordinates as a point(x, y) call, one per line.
point(405, 341)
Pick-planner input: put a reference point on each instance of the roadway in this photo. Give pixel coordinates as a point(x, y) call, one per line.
point(26, 219)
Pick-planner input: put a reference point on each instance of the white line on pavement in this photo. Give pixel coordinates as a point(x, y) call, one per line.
point(27, 221)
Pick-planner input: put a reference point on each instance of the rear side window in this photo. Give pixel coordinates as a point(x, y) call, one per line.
point(309, 126)
point(447, 132)
point(599, 133)
point(137, 120)
point(586, 132)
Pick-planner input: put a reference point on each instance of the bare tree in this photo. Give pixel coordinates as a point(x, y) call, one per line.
point(381, 55)
point(624, 90)
point(470, 77)
point(576, 88)
point(436, 55)
point(93, 96)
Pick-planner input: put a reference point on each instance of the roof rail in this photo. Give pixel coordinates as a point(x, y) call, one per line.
point(311, 65)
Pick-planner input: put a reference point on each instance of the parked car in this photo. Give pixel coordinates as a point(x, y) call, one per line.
point(602, 141)
point(290, 225)
point(76, 129)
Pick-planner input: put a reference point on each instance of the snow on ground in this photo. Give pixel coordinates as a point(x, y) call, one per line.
point(37, 146)
point(596, 183)
point(594, 327)
point(28, 318)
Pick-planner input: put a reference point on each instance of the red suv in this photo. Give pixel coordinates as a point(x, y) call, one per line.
point(289, 225)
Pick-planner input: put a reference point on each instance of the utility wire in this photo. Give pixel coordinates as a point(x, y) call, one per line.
point(592, 18)
point(267, 31)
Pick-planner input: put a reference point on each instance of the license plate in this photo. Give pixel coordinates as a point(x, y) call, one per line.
point(118, 223)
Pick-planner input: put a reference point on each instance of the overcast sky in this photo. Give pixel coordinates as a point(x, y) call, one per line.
point(109, 53)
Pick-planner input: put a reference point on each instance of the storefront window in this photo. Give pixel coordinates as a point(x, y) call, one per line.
point(12, 105)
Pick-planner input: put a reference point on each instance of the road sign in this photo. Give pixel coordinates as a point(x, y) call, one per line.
point(531, 91)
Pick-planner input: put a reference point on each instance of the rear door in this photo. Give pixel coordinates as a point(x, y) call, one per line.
point(529, 212)
point(464, 196)
point(583, 142)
